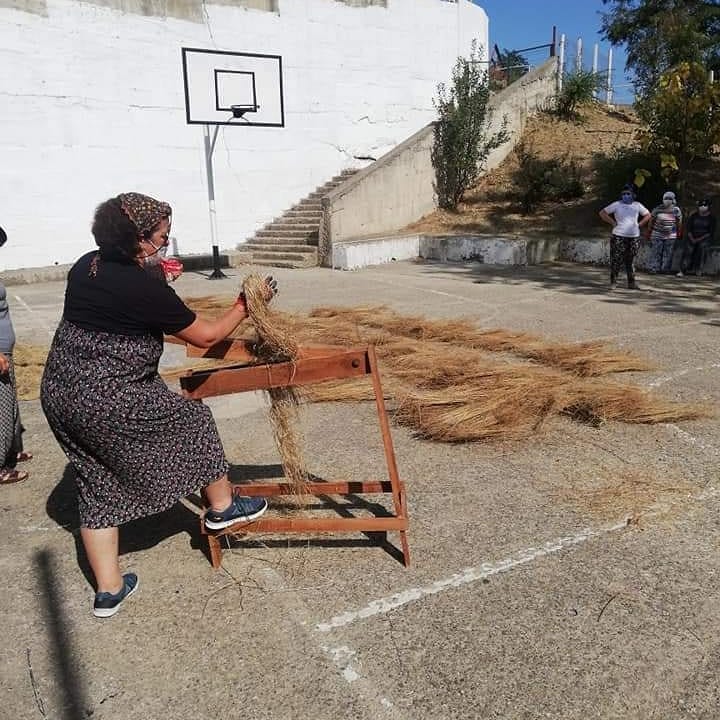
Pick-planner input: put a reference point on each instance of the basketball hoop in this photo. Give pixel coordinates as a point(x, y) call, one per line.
point(220, 87)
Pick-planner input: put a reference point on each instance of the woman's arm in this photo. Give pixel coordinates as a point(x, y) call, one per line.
point(607, 218)
point(206, 333)
point(647, 219)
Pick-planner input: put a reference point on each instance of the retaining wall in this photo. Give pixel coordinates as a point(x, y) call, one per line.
point(398, 189)
point(490, 250)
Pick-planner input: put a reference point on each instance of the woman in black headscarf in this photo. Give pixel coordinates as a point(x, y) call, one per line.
point(136, 446)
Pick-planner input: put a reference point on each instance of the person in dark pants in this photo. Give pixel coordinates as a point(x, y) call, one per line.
point(700, 234)
point(627, 217)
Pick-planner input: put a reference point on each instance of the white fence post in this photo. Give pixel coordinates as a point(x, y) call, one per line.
point(608, 97)
point(561, 64)
point(579, 56)
point(596, 51)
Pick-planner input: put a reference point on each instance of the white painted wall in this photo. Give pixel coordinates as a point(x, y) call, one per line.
point(92, 105)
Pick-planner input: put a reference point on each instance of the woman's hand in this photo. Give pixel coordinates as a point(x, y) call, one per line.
point(4, 364)
point(172, 268)
point(270, 290)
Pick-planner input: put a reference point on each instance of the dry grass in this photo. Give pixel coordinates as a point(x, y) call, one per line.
point(453, 382)
point(29, 363)
point(492, 206)
point(629, 492)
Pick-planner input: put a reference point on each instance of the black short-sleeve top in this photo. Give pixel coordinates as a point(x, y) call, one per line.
point(118, 296)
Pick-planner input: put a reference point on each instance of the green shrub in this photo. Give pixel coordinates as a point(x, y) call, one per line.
point(462, 139)
point(538, 180)
point(624, 166)
point(578, 88)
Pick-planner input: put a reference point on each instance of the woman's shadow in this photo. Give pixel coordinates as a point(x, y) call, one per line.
point(136, 535)
point(146, 533)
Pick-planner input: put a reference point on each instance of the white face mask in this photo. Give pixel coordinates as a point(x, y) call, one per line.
point(668, 203)
point(704, 209)
point(157, 257)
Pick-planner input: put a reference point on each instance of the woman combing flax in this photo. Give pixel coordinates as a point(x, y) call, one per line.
point(136, 446)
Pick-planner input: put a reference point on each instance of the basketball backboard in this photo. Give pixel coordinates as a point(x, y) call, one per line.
point(233, 88)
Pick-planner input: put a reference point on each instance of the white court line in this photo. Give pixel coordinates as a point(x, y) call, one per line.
point(691, 439)
point(648, 331)
point(485, 570)
point(466, 577)
point(341, 657)
point(476, 301)
point(681, 373)
point(48, 330)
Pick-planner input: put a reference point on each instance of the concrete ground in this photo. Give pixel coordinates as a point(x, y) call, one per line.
point(530, 595)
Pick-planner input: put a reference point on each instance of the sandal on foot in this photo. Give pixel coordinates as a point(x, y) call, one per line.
point(24, 456)
point(10, 475)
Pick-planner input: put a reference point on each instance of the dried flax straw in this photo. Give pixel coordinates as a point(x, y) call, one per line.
point(277, 345)
point(454, 382)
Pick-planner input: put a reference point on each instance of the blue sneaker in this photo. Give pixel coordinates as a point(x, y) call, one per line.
point(242, 509)
point(107, 604)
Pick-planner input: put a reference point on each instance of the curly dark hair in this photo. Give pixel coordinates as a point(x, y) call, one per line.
point(114, 232)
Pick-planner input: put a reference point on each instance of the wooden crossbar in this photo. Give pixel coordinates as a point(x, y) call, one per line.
point(314, 364)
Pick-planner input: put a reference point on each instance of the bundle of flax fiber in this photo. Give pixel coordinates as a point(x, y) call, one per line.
point(277, 345)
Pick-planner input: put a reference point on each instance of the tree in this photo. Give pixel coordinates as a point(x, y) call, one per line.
point(682, 114)
point(661, 34)
point(463, 139)
point(514, 64)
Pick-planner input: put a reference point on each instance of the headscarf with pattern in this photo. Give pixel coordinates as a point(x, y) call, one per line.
point(144, 212)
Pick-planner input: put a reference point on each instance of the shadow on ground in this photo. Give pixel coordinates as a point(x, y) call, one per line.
point(658, 293)
point(71, 682)
point(145, 533)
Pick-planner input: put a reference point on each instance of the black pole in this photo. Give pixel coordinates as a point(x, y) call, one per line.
point(554, 40)
point(217, 273)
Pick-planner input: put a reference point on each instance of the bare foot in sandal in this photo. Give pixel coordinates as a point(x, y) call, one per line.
point(11, 475)
point(24, 456)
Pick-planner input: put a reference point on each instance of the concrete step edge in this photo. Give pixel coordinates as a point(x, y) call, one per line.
point(260, 247)
point(278, 225)
point(259, 257)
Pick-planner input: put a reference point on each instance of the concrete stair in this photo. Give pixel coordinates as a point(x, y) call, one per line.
point(291, 240)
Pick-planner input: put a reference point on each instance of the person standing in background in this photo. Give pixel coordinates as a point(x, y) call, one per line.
point(11, 429)
point(664, 229)
point(627, 217)
point(700, 234)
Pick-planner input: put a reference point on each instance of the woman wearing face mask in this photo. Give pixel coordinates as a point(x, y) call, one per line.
point(700, 234)
point(626, 217)
point(136, 447)
point(664, 229)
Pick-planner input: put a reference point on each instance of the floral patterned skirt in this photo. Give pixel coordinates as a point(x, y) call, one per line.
point(10, 427)
point(136, 446)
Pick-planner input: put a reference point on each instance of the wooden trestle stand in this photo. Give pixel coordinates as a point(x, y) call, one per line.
point(314, 364)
